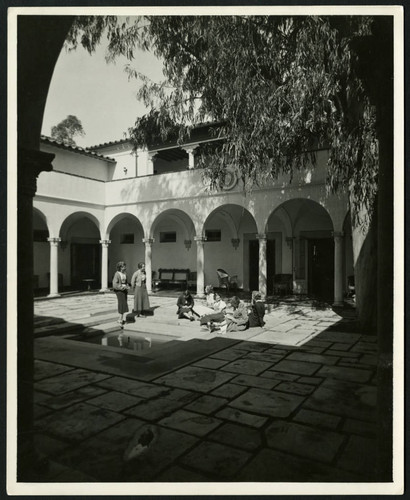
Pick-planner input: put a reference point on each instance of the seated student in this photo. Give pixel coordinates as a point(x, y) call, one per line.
point(217, 316)
point(185, 304)
point(237, 321)
point(202, 309)
point(257, 311)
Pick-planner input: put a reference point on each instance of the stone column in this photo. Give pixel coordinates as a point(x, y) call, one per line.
point(148, 262)
point(338, 272)
point(30, 164)
point(200, 279)
point(191, 155)
point(151, 162)
point(104, 265)
point(54, 242)
point(262, 264)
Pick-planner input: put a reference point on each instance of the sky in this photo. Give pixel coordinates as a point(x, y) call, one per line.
point(97, 93)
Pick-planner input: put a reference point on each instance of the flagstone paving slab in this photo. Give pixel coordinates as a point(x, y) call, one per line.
point(297, 367)
point(72, 397)
point(346, 399)
point(312, 358)
point(279, 375)
point(242, 417)
point(303, 440)
point(190, 422)
point(360, 427)
point(275, 466)
point(78, 422)
point(44, 369)
point(247, 366)
point(154, 409)
point(310, 380)
point(295, 388)
point(230, 354)
point(339, 337)
point(207, 404)
point(359, 456)
point(195, 378)
point(270, 357)
point(229, 391)
point(253, 381)
point(210, 363)
point(115, 401)
point(217, 459)
point(317, 418)
point(69, 381)
point(352, 374)
point(237, 436)
point(270, 403)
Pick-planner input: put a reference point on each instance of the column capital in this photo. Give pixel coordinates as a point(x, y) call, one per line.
point(148, 241)
point(105, 243)
point(200, 239)
point(30, 164)
point(54, 241)
point(262, 236)
point(152, 154)
point(190, 148)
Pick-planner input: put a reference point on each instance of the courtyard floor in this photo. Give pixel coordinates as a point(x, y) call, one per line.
point(170, 402)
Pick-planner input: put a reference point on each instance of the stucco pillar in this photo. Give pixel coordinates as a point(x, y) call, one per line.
point(104, 265)
point(262, 264)
point(151, 162)
point(338, 272)
point(148, 262)
point(191, 155)
point(30, 164)
point(54, 242)
point(200, 279)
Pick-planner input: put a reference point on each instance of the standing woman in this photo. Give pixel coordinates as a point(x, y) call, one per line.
point(138, 283)
point(119, 283)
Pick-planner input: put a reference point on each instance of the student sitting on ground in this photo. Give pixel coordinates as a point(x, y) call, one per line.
point(237, 321)
point(257, 311)
point(208, 307)
point(185, 304)
point(218, 316)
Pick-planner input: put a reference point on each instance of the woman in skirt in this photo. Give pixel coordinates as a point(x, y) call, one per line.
point(119, 283)
point(138, 283)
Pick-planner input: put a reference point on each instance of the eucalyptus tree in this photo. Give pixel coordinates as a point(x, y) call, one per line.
point(275, 88)
point(67, 129)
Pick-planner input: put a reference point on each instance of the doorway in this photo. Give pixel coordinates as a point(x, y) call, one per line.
point(254, 264)
point(321, 268)
point(85, 264)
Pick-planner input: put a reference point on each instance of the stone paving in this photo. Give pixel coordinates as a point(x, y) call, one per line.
point(293, 402)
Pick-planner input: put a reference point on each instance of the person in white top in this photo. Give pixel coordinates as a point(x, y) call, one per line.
point(218, 316)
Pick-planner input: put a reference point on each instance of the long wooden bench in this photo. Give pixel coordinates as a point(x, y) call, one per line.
point(171, 277)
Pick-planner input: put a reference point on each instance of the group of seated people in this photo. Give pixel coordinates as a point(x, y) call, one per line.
point(214, 314)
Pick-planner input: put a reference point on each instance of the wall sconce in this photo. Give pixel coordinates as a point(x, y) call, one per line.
point(125, 170)
point(289, 241)
point(187, 244)
point(63, 245)
point(235, 242)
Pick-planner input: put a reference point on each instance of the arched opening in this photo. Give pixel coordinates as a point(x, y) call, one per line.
point(173, 233)
point(230, 232)
point(126, 235)
point(79, 256)
point(304, 232)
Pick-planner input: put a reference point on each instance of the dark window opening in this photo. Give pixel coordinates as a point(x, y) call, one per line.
point(213, 234)
point(127, 238)
point(168, 237)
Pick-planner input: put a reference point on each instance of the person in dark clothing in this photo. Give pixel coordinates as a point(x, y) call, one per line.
point(257, 311)
point(185, 304)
